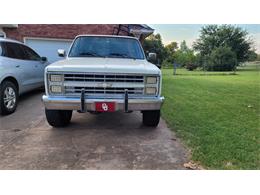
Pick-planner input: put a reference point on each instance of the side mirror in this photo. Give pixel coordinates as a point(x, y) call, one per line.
point(44, 59)
point(152, 57)
point(61, 52)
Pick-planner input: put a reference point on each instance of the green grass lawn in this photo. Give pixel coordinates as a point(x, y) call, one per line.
point(217, 115)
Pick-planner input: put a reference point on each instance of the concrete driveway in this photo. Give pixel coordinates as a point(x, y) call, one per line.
point(104, 141)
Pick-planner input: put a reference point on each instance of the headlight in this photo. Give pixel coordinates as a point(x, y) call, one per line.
point(56, 89)
point(150, 90)
point(55, 78)
point(151, 80)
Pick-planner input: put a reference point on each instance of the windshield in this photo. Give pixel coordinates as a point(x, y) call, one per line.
point(111, 47)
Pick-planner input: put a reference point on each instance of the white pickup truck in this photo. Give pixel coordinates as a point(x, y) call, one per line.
point(103, 74)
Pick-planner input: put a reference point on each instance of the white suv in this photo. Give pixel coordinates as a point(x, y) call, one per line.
point(21, 70)
point(103, 74)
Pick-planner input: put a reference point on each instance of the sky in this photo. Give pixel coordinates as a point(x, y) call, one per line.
point(190, 32)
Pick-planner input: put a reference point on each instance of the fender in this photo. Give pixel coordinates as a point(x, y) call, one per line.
point(6, 75)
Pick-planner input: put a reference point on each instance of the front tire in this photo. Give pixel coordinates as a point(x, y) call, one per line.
point(151, 118)
point(8, 97)
point(58, 118)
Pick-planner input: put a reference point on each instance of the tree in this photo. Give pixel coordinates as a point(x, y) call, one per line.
point(184, 58)
point(184, 47)
point(258, 57)
point(170, 50)
point(214, 36)
point(172, 47)
point(252, 56)
point(154, 44)
point(221, 59)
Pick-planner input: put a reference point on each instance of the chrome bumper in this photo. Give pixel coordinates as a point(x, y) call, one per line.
point(74, 103)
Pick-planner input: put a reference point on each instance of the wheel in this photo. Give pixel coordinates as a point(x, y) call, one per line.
point(8, 97)
point(151, 117)
point(58, 118)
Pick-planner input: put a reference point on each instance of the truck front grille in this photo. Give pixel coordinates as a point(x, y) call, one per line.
point(115, 85)
point(104, 78)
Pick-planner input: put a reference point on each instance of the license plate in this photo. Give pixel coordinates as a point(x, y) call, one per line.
point(105, 106)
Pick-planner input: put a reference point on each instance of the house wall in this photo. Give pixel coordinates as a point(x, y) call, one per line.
point(58, 31)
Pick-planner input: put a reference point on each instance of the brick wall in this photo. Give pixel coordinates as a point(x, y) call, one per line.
point(62, 31)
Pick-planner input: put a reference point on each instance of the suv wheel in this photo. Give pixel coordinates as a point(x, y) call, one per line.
point(151, 117)
point(58, 118)
point(8, 97)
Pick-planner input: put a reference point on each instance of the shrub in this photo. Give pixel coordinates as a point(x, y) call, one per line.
point(221, 59)
point(191, 67)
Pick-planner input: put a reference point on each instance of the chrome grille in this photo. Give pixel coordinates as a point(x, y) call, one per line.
point(103, 78)
point(93, 84)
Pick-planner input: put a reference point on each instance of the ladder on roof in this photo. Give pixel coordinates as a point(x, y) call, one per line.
point(122, 28)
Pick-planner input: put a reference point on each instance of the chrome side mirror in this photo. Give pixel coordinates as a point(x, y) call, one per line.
point(152, 57)
point(61, 52)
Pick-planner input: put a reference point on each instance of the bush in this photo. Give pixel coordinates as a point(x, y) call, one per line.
point(191, 67)
point(221, 59)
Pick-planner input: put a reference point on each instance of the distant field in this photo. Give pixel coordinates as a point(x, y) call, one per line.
point(217, 115)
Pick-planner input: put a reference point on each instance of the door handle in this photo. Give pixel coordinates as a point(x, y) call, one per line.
point(17, 66)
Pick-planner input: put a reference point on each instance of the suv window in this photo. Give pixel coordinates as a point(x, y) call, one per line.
point(12, 50)
point(18, 51)
point(30, 54)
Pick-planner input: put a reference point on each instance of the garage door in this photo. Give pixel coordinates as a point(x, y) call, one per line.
point(48, 47)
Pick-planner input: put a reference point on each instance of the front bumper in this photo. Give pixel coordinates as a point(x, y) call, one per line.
point(75, 103)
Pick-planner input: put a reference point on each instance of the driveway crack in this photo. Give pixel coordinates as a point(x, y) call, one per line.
point(77, 155)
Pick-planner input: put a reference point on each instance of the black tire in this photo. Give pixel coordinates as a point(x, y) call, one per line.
point(151, 118)
point(4, 109)
point(58, 118)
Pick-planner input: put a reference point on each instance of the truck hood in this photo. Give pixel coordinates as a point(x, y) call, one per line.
point(104, 65)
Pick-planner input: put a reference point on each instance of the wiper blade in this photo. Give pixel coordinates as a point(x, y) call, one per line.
point(120, 55)
point(89, 54)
